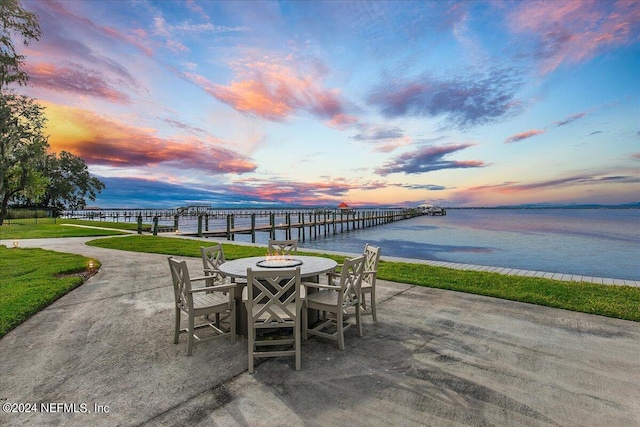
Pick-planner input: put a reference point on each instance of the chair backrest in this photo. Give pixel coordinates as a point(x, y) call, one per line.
point(372, 257)
point(350, 281)
point(283, 247)
point(212, 257)
point(276, 292)
point(181, 284)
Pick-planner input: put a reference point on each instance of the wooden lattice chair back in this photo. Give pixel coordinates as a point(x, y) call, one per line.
point(181, 284)
point(273, 299)
point(372, 258)
point(351, 281)
point(283, 247)
point(212, 257)
point(201, 302)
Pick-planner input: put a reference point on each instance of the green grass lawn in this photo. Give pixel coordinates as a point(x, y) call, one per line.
point(613, 301)
point(33, 278)
point(38, 231)
point(133, 226)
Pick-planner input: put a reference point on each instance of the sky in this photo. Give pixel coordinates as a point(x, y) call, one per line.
point(372, 103)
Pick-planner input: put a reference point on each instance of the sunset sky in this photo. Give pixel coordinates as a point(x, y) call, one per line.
point(240, 103)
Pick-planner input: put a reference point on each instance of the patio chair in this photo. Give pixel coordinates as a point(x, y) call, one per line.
point(273, 300)
point(372, 257)
point(283, 247)
point(334, 298)
point(200, 302)
point(212, 257)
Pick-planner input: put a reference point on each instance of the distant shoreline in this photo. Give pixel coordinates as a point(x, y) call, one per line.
point(266, 208)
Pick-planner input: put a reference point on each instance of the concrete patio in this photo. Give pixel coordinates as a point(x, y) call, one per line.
point(435, 357)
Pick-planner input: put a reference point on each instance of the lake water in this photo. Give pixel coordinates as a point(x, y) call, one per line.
point(589, 242)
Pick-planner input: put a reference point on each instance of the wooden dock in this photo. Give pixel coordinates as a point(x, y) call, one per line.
point(305, 225)
point(302, 224)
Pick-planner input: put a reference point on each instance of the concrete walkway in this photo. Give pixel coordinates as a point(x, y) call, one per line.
point(435, 357)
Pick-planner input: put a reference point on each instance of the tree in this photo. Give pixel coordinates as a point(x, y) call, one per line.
point(14, 19)
point(27, 172)
point(70, 183)
point(23, 148)
point(22, 143)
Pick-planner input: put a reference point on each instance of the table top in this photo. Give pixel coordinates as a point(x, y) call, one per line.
point(311, 266)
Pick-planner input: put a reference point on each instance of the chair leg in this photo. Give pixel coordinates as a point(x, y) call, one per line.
point(251, 337)
point(373, 305)
point(232, 321)
point(177, 330)
point(305, 322)
point(364, 302)
point(358, 324)
point(296, 335)
point(191, 331)
point(340, 329)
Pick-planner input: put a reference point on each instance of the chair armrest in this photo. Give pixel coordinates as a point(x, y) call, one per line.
point(320, 285)
point(219, 288)
point(206, 278)
point(195, 279)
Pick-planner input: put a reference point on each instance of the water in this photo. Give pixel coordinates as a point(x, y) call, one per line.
point(588, 242)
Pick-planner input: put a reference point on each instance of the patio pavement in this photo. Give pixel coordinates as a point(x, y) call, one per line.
point(435, 357)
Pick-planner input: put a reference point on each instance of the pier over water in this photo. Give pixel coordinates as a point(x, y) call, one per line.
point(302, 224)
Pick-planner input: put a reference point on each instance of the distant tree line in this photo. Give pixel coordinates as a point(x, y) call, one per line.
point(30, 176)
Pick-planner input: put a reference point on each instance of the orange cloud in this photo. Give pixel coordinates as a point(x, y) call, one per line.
point(524, 135)
point(102, 141)
point(275, 91)
point(255, 97)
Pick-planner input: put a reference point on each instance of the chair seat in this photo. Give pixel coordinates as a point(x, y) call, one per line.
point(275, 311)
point(202, 300)
point(365, 287)
point(323, 297)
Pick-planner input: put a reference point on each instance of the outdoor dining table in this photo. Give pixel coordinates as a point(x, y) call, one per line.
point(311, 267)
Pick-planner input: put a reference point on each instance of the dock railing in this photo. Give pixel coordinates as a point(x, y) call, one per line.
point(300, 223)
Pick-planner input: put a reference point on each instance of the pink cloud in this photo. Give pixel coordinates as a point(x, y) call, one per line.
point(571, 119)
point(76, 80)
point(342, 121)
point(310, 193)
point(565, 189)
point(575, 31)
point(575, 180)
point(137, 38)
point(524, 135)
